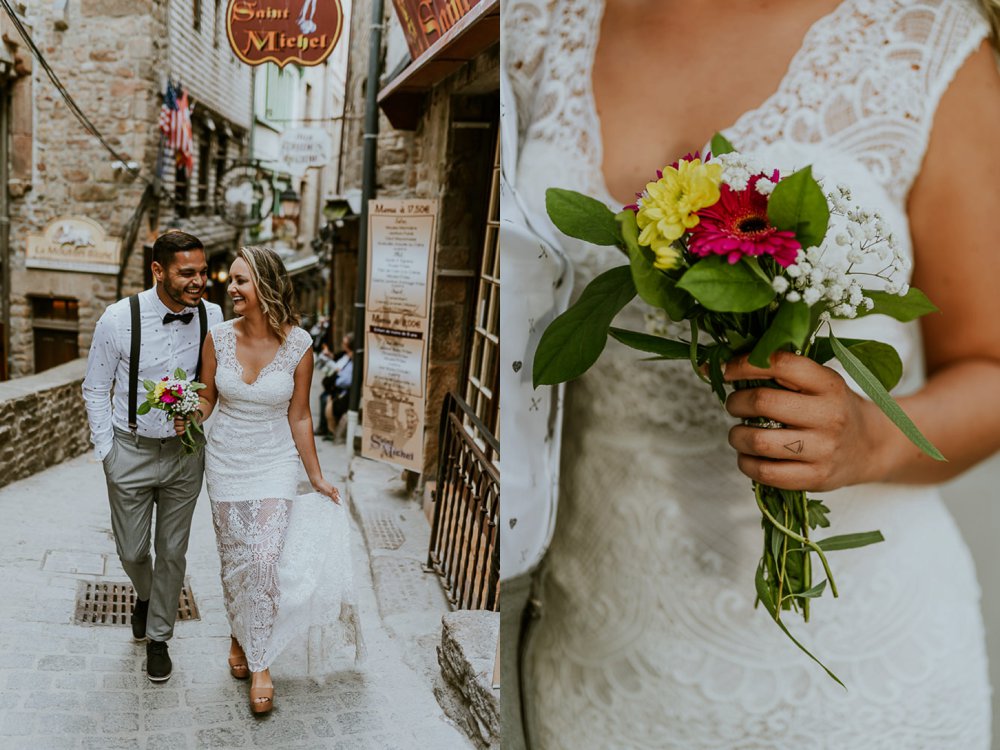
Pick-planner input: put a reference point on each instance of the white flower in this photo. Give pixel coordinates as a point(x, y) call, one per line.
point(764, 186)
point(793, 296)
point(779, 284)
point(812, 295)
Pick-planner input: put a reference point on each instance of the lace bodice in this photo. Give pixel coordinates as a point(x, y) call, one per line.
point(269, 394)
point(647, 622)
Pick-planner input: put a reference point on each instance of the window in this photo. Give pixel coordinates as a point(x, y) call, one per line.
point(204, 169)
point(220, 164)
point(56, 324)
point(481, 388)
point(280, 94)
point(180, 192)
point(215, 27)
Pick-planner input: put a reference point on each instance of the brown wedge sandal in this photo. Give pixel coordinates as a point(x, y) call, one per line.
point(238, 666)
point(261, 698)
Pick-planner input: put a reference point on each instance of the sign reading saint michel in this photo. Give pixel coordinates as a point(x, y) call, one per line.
point(284, 31)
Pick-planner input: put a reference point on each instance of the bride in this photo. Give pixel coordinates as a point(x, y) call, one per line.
point(644, 632)
point(285, 558)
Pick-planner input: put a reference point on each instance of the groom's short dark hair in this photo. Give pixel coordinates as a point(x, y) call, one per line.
point(171, 242)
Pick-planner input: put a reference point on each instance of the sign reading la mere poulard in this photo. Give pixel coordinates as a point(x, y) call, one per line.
point(284, 31)
point(426, 21)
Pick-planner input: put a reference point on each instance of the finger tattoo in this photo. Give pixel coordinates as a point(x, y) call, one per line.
point(795, 447)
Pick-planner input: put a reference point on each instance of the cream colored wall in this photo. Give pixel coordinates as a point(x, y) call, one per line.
point(974, 500)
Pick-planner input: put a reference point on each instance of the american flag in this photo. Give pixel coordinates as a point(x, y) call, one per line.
point(175, 124)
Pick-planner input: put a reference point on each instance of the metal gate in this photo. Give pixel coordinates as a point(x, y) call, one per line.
point(464, 547)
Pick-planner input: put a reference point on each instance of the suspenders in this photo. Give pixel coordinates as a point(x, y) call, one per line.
point(133, 357)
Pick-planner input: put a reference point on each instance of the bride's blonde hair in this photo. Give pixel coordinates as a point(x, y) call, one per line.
point(274, 287)
point(991, 9)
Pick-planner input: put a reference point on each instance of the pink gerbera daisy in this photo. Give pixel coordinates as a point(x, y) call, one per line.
point(737, 225)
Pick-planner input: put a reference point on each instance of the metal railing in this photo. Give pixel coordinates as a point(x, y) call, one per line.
point(464, 548)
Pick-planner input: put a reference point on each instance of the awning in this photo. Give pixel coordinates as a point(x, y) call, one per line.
point(476, 31)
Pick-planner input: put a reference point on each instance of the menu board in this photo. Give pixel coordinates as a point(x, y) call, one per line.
point(400, 255)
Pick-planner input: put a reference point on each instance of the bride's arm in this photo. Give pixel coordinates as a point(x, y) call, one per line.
point(209, 394)
point(845, 439)
point(300, 421)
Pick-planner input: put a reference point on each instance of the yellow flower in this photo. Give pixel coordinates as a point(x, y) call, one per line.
point(668, 206)
point(159, 389)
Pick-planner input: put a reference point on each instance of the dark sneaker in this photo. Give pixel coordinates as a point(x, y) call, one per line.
point(139, 611)
point(158, 666)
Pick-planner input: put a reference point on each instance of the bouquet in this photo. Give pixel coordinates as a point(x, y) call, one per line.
point(755, 262)
point(178, 397)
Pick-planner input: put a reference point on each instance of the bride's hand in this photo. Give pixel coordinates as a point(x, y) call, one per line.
point(323, 487)
point(832, 436)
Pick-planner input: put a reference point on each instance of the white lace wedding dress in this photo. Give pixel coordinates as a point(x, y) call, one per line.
point(647, 636)
point(286, 558)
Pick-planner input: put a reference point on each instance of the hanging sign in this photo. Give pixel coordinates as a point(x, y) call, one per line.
point(284, 31)
point(426, 21)
point(400, 255)
point(73, 243)
point(244, 196)
point(302, 148)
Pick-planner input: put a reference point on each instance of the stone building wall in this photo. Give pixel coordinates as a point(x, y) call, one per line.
point(107, 55)
point(442, 162)
point(42, 421)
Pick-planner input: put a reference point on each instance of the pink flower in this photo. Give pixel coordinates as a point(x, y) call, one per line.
point(179, 392)
point(167, 398)
point(737, 226)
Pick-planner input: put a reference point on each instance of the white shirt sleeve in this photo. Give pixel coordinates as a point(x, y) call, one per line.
point(102, 364)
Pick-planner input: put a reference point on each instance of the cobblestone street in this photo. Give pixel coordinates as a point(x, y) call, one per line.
point(72, 686)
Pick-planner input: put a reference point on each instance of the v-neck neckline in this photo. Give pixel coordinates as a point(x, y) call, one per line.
point(239, 365)
point(587, 73)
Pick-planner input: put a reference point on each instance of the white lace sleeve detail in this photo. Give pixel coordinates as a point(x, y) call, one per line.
point(867, 81)
point(225, 344)
point(524, 40)
point(296, 344)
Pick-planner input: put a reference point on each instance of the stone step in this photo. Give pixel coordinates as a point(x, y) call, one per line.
point(467, 655)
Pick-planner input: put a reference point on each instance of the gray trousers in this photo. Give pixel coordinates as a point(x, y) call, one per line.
point(142, 473)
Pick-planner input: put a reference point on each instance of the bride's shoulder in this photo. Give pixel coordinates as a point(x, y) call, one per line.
point(298, 337)
point(221, 328)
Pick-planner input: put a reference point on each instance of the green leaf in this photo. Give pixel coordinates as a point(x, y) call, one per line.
point(815, 591)
point(850, 541)
point(143, 408)
point(644, 342)
point(881, 359)
point(179, 374)
point(720, 145)
point(724, 287)
point(716, 356)
point(196, 386)
point(790, 326)
point(822, 351)
point(909, 307)
point(652, 284)
point(818, 514)
point(881, 398)
point(582, 217)
point(765, 597)
point(574, 340)
point(797, 204)
point(149, 384)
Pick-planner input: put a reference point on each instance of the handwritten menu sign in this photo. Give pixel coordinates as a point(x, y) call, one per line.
point(400, 254)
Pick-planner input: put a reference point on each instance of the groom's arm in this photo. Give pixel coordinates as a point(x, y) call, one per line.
point(102, 362)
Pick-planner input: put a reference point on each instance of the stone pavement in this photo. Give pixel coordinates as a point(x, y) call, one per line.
point(71, 686)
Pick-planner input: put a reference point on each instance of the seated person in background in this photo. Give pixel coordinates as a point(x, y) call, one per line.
point(337, 371)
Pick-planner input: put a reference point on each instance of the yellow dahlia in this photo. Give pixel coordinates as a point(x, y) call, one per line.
point(668, 206)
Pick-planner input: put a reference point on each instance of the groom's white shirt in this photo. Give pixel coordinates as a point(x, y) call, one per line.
point(165, 347)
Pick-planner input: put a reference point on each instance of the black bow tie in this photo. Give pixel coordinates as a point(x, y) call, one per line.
point(184, 318)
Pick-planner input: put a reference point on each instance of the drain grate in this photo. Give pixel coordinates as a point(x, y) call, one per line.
point(110, 603)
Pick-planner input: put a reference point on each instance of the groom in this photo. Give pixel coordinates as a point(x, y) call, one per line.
point(143, 463)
